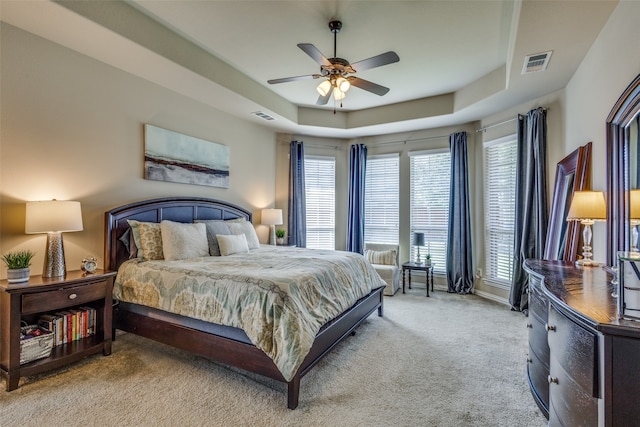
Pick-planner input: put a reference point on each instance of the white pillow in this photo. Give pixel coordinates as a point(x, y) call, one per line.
point(182, 241)
point(246, 228)
point(232, 244)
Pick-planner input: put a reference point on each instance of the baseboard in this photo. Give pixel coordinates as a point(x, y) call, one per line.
point(492, 297)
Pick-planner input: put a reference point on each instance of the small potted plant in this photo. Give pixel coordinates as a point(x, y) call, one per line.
point(427, 260)
point(280, 235)
point(18, 263)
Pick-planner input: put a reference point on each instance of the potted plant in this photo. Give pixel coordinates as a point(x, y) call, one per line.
point(427, 260)
point(18, 263)
point(280, 235)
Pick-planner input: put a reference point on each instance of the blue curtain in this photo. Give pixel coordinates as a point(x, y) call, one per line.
point(532, 216)
point(357, 177)
point(459, 250)
point(297, 224)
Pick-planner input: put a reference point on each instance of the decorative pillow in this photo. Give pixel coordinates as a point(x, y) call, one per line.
point(135, 233)
point(232, 244)
point(381, 257)
point(127, 241)
point(150, 241)
point(214, 227)
point(182, 241)
point(246, 228)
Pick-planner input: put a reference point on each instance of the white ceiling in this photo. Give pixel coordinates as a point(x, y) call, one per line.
point(460, 60)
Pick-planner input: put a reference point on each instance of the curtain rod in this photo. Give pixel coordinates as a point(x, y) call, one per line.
point(332, 147)
point(484, 129)
point(405, 141)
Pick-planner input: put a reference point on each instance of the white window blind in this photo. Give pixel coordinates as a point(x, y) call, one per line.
point(499, 206)
point(430, 173)
point(381, 199)
point(320, 193)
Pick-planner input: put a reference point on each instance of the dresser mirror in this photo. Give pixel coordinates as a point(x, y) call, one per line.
point(572, 174)
point(623, 168)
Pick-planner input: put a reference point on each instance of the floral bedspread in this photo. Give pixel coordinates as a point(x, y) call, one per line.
point(279, 296)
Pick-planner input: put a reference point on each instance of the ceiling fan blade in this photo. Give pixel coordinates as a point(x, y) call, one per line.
point(376, 61)
point(314, 53)
point(322, 100)
point(293, 79)
point(368, 86)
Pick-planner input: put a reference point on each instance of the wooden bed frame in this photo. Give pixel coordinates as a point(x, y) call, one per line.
point(216, 347)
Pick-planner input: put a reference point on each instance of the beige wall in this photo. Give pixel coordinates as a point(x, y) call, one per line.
point(72, 129)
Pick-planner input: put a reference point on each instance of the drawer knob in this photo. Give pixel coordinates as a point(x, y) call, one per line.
point(73, 296)
point(552, 379)
point(550, 328)
point(529, 360)
point(529, 325)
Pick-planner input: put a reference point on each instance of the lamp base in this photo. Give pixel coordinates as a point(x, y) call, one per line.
point(587, 263)
point(272, 234)
point(54, 265)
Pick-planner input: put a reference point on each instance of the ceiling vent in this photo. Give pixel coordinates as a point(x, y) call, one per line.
point(536, 62)
point(263, 116)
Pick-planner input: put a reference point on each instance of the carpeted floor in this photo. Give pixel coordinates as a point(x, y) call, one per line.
point(448, 360)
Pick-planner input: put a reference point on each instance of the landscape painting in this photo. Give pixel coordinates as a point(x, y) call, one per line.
point(174, 157)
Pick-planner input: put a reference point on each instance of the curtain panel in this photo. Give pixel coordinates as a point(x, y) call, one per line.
point(532, 216)
point(357, 178)
point(297, 223)
point(459, 247)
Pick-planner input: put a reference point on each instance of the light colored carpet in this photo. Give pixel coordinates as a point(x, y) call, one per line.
point(448, 360)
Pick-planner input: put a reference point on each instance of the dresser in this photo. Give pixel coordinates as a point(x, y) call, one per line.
point(584, 364)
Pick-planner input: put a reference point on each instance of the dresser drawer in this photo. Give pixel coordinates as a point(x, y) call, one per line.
point(570, 404)
point(538, 376)
point(538, 338)
point(538, 305)
point(575, 350)
point(63, 297)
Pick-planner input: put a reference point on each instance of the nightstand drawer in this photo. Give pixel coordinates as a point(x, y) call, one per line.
point(63, 297)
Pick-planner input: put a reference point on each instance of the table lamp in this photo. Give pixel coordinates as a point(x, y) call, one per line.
point(272, 217)
point(634, 216)
point(587, 207)
point(418, 240)
point(53, 217)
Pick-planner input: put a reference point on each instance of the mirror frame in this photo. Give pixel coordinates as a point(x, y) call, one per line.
point(618, 179)
point(577, 163)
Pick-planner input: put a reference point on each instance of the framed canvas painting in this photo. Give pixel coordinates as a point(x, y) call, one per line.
point(174, 157)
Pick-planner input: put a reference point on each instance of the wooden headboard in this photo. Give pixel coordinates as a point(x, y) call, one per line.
point(179, 209)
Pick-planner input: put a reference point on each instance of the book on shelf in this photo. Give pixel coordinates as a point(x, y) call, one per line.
point(70, 325)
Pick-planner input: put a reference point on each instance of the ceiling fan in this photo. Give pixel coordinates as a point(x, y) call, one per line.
point(337, 72)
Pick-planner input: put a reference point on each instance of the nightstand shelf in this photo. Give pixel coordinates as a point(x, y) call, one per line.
point(25, 302)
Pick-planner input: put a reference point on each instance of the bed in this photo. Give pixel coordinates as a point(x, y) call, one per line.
point(227, 342)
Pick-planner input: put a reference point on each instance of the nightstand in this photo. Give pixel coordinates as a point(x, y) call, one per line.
point(27, 301)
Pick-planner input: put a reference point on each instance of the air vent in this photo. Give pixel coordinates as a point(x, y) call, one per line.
point(263, 116)
point(536, 62)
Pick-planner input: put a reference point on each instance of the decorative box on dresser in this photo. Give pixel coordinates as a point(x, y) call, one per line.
point(27, 301)
point(584, 363)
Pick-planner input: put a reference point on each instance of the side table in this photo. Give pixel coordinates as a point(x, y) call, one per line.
point(428, 269)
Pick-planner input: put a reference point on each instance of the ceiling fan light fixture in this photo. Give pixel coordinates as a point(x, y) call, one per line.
point(343, 84)
point(324, 88)
point(338, 95)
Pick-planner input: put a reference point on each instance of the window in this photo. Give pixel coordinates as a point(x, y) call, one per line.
point(381, 199)
point(430, 181)
point(500, 158)
point(320, 193)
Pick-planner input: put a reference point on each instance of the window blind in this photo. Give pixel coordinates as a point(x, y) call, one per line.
point(320, 193)
point(430, 173)
point(499, 206)
point(381, 199)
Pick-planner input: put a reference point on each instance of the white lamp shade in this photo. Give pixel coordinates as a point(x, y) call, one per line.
point(587, 205)
point(343, 84)
point(272, 216)
point(324, 88)
point(338, 94)
point(53, 216)
point(634, 196)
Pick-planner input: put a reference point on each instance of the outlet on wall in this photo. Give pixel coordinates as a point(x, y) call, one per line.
point(479, 273)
